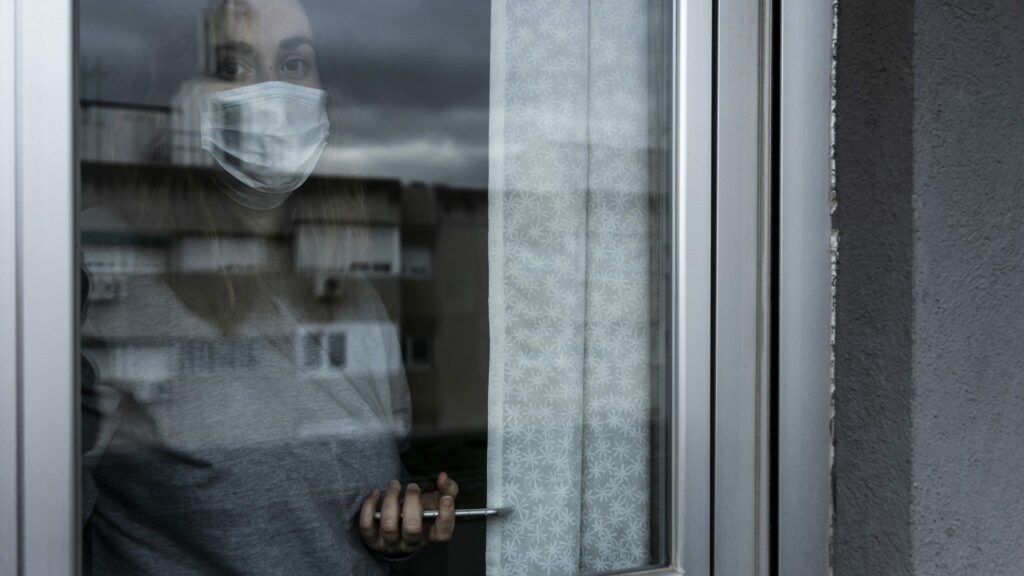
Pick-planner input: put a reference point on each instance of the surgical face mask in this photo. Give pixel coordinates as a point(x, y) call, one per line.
point(268, 136)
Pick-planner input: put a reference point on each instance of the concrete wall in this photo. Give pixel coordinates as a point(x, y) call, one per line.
point(930, 306)
point(874, 302)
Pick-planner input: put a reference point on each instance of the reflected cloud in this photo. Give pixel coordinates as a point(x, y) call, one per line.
point(440, 161)
point(411, 77)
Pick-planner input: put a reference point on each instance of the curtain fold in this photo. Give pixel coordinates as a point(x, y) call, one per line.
point(569, 448)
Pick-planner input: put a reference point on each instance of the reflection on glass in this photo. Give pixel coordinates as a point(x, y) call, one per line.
point(243, 299)
point(325, 247)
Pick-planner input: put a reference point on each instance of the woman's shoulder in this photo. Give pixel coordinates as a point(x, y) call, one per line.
point(363, 298)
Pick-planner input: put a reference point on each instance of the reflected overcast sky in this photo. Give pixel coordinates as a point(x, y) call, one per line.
point(412, 76)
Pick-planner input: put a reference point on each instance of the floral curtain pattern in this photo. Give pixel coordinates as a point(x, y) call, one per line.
point(569, 449)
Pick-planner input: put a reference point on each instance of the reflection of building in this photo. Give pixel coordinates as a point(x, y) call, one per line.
point(424, 250)
point(134, 134)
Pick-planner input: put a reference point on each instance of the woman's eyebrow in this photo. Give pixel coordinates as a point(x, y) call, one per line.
point(294, 41)
point(240, 47)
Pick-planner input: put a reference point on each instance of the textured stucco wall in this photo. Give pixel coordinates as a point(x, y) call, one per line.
point(929, 470)
point(874, 290)
point(968, 403)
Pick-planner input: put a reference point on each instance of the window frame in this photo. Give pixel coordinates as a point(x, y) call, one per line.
point(46, 283)
point(9, 420)
point(39, 516)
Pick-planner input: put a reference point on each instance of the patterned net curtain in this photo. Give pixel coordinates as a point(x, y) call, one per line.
point(569, 243)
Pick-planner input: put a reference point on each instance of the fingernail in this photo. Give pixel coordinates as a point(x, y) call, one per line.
point(375, 493)
point(447, 501)
point(394, 484)
point(412, 486)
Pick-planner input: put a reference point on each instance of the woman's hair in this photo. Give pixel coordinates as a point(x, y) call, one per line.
point(180, 198)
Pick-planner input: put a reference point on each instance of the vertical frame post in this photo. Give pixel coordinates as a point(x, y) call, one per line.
point(9, 517)
point(804, 288)
point(693, 285)
point(46, 285)
point(742, 278)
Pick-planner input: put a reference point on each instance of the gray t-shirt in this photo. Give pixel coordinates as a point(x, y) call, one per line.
point(248, 453)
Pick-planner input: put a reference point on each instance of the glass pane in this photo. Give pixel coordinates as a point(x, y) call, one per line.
point(327, 246)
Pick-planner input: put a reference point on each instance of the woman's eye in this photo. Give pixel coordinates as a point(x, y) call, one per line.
point(295, 66)
point(231, 69)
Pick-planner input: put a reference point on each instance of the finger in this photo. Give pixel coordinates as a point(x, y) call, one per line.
point(389, 514)
point(367, 527)
point(443, 527)
point(412, 516)
point(445, 485)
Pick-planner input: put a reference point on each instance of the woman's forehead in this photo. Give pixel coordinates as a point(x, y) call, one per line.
point(261, 21)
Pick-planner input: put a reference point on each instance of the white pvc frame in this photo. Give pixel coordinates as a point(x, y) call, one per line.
point(39, 519)
point(45, 391)
point(9, 516)
point(742, 288)
point(692, 276)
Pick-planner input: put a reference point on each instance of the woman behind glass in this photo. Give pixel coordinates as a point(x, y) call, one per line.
point(224, 429)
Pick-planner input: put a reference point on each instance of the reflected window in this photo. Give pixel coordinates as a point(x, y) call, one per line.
point(416, 261)
point(336, 350)
point(418, 352)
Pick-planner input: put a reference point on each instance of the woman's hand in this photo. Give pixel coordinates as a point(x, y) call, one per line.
point(402, 531)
